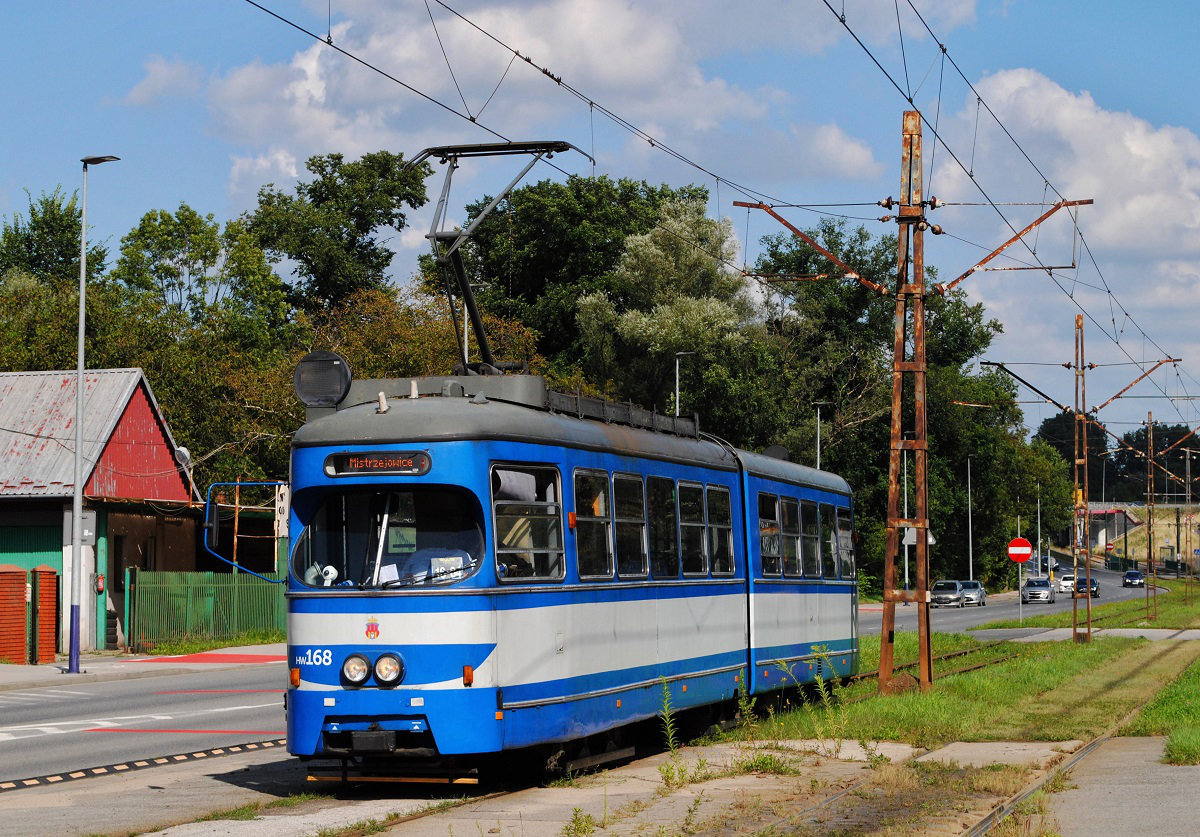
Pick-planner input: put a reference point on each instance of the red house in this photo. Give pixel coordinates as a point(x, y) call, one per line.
point(134, 484)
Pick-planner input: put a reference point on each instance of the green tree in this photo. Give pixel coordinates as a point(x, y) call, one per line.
point(185, 263)
point(833, 342)
point(330, 228)
point(1127, 474)
point(548, 245)
point(174, 257)
point(1058, 432)
point(46, 244)
point(666, 295)
point(37, 322)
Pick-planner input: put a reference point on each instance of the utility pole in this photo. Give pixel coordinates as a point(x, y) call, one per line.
point(911, 367)
point(910, 316)
point(970, 536)
point(1083, 520)
point(1152, 573)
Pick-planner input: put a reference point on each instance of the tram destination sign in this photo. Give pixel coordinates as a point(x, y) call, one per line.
point(404, 462)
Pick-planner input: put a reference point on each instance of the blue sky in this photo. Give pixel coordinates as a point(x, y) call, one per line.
point(206, 102)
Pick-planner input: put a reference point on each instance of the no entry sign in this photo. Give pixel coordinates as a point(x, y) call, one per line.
point(1020, 550)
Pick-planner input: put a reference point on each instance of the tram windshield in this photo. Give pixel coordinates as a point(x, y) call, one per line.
point(372, 539)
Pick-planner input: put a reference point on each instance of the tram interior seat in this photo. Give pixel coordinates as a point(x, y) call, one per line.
point(521, 487)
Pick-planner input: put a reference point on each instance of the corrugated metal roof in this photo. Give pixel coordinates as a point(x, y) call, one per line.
point(37, 426)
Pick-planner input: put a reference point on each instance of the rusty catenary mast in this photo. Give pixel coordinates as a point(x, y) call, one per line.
point(908, 413)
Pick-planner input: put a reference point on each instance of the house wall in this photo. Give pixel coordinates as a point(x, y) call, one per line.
point(138, 461)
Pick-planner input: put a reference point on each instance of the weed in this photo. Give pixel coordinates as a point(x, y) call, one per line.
point(243, 812)
point(874, 757)
point(567, 780)
point(1059, 782)
point(833, 720)
point(689, 820)
point(296, 799)
point(579, 825)
point(670, 769)
point(196, 644)
point(747, 718)
point(762, 762)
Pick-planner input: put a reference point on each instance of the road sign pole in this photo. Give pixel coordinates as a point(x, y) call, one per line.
point(1019, 551)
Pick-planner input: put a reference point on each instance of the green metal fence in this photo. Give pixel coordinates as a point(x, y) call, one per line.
point(174, 605)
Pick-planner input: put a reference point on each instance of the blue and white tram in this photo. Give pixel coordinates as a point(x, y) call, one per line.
point(473, 570)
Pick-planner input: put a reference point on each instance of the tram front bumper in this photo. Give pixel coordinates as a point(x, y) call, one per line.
point(406, 723)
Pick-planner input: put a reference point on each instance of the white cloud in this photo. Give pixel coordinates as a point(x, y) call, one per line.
point(165, 80)
point(834, 153)
point(635, 59)
point(247, 174)
point(1145, 179)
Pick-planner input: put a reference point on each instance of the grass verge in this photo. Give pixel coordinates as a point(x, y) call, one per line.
point(1175, 713)
point(1053, 691)
point(195, 644)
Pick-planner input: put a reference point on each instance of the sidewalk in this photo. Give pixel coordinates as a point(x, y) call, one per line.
point(116, 666)
point(1123, 787)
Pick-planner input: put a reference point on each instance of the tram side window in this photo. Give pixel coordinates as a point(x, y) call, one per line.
point(829, 540)
point(768, 533)
point(790, 534)
point(720, 531)
point(846, 542)
point(528, 515)
point(630, 526)
point(810, 539)
point(592, 526)
point(691, 529)
point(664, 528)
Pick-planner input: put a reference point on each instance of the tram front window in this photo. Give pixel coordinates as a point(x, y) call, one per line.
point(390, 539)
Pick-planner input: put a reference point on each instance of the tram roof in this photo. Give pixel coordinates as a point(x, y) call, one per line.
point(519, 411)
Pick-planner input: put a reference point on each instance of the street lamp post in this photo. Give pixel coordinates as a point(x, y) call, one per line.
point(819, 405)
point(678, 355)
point(77, 492)
point(970, 537)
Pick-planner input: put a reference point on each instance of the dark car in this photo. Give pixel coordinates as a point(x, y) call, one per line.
point(1037, 590)
point(1134, 578)
point(946, 594)
point(1081, 586)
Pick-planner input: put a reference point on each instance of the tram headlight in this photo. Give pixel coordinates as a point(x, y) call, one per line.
point(355, 669)
point(388, 670)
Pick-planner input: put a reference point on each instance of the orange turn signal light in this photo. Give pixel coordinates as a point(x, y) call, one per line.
point(468, 675)
point(294, 677)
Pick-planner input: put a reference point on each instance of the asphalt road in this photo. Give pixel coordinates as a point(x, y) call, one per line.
point(93, 724)
point(1005, 606)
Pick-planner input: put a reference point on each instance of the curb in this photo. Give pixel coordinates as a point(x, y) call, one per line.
point(140, 764)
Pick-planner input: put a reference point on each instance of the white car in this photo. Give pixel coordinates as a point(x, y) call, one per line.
point(1066, 583)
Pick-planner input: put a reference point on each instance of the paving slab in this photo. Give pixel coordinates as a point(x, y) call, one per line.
point(1123, 787)
point(1038, 755)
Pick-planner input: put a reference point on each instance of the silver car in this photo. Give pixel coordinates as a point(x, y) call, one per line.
point(973, 593)
point(946, 594)
point(1038, 590)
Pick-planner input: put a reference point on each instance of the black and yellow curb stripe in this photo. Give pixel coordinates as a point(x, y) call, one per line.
point(140, 764)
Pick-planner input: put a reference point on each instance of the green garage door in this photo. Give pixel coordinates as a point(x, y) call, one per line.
point(31, 546)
